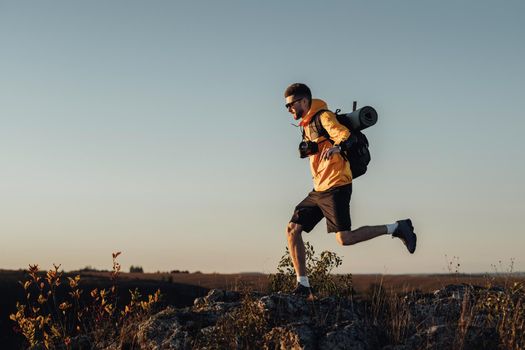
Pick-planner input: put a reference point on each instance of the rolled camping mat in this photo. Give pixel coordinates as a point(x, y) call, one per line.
point(363, 118)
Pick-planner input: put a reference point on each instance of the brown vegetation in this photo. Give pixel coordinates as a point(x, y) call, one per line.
point(59, 310)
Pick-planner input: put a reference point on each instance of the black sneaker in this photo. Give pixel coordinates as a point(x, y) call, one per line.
point(405, 232)
point(301, 290)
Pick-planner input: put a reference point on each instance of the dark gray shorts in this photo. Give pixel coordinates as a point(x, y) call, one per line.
point(332, 204)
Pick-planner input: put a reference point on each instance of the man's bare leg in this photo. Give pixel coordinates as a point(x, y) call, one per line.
point(402, 229)
point(361, 234)
point(296, 248)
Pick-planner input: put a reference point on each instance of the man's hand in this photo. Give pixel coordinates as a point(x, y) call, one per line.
point(329, 152)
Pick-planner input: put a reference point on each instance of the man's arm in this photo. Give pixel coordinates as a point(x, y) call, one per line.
point(337, 132)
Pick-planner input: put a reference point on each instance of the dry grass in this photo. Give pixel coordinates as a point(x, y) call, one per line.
point(48, 321)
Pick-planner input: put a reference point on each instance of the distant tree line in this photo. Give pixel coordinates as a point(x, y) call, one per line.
point(139, 269)
point(136, 269)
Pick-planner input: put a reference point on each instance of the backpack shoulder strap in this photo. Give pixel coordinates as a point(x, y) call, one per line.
point(316, 120)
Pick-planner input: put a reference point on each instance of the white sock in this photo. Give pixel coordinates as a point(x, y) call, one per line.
point(303, 280)
point(390, 228)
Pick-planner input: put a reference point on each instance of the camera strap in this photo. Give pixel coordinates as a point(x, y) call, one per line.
point(304, 134)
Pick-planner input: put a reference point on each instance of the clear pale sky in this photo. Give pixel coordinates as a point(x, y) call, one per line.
point(158, 128)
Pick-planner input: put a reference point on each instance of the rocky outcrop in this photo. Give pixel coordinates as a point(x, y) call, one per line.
point(224, 319)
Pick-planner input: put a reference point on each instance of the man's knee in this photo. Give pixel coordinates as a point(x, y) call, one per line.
point(344, 238)
point(293, 231)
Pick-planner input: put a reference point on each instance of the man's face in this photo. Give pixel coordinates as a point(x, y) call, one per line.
point(297, 105)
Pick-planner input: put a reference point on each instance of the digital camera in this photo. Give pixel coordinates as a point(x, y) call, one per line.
point(308, 148)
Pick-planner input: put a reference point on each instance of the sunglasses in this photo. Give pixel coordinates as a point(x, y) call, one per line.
point(290, 104)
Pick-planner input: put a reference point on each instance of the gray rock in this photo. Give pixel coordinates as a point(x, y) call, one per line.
point(163, 331)
point(218, 295)
point(214, 295)
point(285, 308)
point(352, 336)
point(283, 321)
point(294, 336)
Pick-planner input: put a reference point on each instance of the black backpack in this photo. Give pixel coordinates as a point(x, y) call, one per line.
point(357, 154)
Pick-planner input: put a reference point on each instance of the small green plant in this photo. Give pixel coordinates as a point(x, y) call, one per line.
point(320, 275)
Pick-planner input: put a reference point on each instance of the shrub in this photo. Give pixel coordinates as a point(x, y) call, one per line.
point(320, 275)
point(49, 322)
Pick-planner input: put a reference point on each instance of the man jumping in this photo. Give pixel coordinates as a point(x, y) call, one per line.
point(332, 178)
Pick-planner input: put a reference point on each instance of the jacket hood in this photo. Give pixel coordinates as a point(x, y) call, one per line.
point(316, 106)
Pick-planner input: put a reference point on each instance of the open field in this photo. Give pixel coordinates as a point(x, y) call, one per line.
point(362, 282)
point(180, 289)
point(259, 281)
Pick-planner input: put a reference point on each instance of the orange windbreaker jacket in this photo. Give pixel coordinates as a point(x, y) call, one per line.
point(336, 170)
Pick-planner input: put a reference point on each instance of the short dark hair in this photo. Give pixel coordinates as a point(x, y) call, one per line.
point(299, 90)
